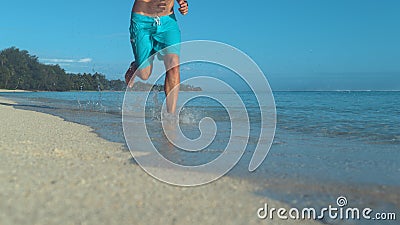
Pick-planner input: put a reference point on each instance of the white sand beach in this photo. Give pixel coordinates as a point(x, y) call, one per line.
point(12, 91)
point(57, 172)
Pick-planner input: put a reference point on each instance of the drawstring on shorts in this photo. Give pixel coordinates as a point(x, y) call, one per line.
point(157, 21)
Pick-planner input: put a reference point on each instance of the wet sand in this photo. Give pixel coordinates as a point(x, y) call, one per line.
point(57, 172)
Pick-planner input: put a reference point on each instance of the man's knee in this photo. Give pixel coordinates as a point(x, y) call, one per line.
point(171, 62)
point(145, 73)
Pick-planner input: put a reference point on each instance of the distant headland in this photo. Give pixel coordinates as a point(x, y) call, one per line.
point(20, 70)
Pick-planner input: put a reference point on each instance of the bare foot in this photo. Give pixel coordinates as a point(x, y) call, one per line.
point(129, 75)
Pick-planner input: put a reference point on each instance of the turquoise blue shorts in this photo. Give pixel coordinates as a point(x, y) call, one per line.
point(151, 35)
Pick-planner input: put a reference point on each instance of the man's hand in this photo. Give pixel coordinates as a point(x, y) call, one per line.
point(183, 7)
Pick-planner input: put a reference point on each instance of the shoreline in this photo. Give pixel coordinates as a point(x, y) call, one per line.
point(53, 171)
point(339, 90)
point(12, 91)
point(26, 91)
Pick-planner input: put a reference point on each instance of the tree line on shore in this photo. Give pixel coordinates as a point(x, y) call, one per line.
point(20, 70)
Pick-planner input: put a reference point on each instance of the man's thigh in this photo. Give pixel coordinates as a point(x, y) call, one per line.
point(142, 49)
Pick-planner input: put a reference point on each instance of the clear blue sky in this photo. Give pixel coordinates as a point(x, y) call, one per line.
point(299, 44)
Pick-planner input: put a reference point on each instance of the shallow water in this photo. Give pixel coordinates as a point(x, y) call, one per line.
point(323, 139)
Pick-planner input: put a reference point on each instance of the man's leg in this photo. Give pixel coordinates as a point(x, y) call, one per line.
point(172, 81)
point(132, 72)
